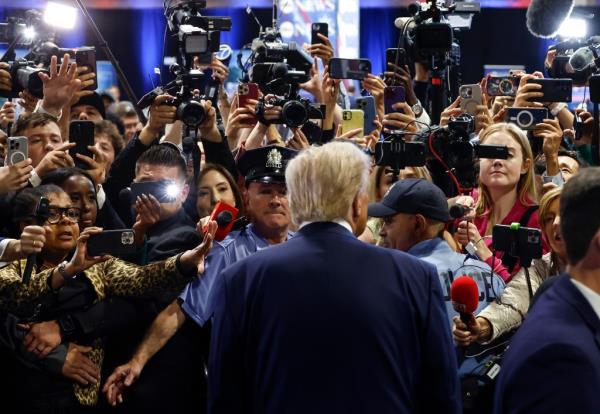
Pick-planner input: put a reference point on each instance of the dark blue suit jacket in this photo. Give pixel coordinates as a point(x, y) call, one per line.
point(553, 363)
point(325, 323)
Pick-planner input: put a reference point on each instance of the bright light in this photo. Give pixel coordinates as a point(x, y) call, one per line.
point(173, 190)
point(60, 15)
point(29, 33)
point(573, 28)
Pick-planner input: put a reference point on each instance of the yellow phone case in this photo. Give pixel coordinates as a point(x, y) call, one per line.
point(353, 119)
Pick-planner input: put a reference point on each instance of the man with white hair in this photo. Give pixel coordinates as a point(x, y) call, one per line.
point(325, 323)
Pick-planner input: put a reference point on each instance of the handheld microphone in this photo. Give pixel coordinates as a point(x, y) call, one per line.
point(464, 294)
point(544, 17)
point(225, 216)
point(41, 215)
point(458, 211)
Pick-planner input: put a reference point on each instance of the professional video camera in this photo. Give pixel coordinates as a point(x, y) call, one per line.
point(429, 32)
point(576, 59)
point(450, 150)
point(198, 37)
point(279, 68)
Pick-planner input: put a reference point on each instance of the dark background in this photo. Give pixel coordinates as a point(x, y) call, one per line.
point(497, 36)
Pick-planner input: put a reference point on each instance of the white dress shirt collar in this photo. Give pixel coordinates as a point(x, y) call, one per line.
point(339, 221)
point(591, 296)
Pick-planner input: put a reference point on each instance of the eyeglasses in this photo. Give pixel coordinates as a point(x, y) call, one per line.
point(70, 213)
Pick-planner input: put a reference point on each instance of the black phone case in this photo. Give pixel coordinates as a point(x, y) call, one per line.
point(112, 242)
point(554, 90)
point(340, 68)
point(323, 29)
point(82, 134)
point(87, 57)
point(395, 56)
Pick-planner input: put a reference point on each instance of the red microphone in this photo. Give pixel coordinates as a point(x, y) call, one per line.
point(465, 297)
point(225, 216)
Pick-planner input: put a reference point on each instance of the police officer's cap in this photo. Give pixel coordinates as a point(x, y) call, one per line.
point(266, 165)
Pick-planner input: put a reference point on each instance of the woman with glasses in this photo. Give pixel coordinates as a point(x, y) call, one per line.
point(66, 280)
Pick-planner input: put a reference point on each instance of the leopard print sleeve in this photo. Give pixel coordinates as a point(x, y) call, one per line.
point(14, 293)
point(127, 279)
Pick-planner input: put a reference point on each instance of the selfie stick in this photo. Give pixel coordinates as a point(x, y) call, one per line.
point(41, 214)
point(594, 83)
point(120, 74)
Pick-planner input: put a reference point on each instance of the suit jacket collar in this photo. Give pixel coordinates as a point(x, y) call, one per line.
point(324, 227)
point(569, 293)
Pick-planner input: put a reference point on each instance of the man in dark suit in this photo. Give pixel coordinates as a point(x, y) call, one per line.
point(553, 363)
point(325, 323)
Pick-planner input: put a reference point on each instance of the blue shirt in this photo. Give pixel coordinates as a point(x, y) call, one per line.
point(195, 298)
point(451, 265)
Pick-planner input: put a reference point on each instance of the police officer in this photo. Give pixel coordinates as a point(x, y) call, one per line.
point(269, 219)
point(414, 213)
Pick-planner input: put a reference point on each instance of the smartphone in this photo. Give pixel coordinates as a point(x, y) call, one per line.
point(225, 216)
point(82, 134)
point(367, 105)
point(247, 92)
point(352, 119)
point(316, 28)
point(165, 191)
point(526, 118)
point(554, 90)
point(112, 242)
point(470, 98)
point(400, 154)
point(502, 86)
point(391, 96)
point(523, 242)
point(395, 56)
point(349, 68)
point(18, 150)
point(86, 56)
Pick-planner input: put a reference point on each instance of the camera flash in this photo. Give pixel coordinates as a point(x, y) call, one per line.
point(173, 190)
point(60, 15)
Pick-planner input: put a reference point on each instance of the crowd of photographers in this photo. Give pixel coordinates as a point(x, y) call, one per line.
point(130, 328)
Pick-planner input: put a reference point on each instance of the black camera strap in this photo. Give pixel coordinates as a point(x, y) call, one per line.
point(510, 261)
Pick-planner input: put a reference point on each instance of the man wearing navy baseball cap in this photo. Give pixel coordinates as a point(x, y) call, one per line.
point(414, 213)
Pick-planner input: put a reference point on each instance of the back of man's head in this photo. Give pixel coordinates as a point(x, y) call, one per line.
point(579, 218)
point(323, 181)
point(165, 156)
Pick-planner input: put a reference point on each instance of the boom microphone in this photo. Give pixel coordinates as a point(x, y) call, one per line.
point(464, 294)
point(544, 17)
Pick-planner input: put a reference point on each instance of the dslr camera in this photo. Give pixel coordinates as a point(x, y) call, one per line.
point(526, 118)
point(25, 75)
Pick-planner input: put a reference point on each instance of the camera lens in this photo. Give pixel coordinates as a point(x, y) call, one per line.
point(294, 114)
point(506, 87)
point(524, 119)
point(191, 113)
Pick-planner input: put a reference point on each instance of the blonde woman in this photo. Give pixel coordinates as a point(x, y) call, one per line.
point(506, 194)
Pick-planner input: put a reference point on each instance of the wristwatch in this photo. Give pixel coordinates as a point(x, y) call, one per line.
point(63, 272)
point(417, 109)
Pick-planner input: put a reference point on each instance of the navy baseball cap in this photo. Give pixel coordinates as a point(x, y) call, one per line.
point(266, 164)
point(413, 196)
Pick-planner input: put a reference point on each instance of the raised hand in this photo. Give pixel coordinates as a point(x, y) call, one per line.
point(59, 86)
point(15, 177)
point(194, 259)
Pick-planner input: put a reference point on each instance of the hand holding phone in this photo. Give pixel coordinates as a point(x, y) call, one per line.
point(470, 98)
point(357, 69)
point(111, 242)
point(316, 29)
point(391, 96)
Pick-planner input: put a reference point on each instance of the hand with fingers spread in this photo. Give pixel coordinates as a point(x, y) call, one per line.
point(7, 114)
point(79, 367)
point(193, 260)
point(147, 209)
point(122, 377)
point(298, 140)
point(451, 111)
point(41, 337)
point(59, 86)
point(87, 80)
point(528, 91)
point(57, 158)
point(15, 177)
point(324, 50)
point(5, 78)
point(404, 120)
point(397, 75)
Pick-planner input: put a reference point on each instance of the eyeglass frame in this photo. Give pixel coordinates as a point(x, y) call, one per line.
point(63, 211)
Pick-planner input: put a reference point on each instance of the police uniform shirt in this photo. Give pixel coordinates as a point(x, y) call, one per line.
point(451, 265)
point(195, 298)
